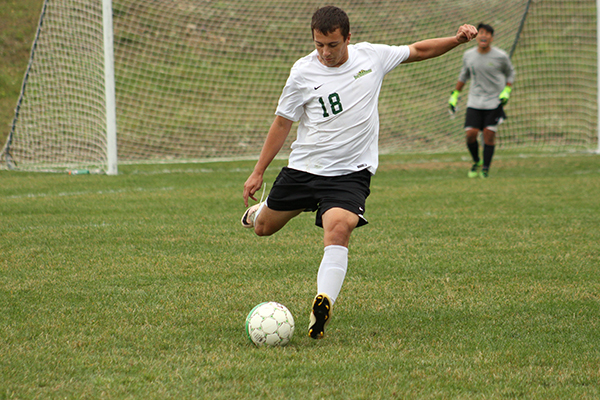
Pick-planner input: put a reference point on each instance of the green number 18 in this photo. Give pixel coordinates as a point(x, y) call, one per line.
point(334, 102)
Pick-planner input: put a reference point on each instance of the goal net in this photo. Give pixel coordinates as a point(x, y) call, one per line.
point(200, 79)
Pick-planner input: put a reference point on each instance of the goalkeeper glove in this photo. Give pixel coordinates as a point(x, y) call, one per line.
point(453, 100)
point(505, 95)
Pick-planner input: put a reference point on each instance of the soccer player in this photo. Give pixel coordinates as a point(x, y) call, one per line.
point(492, 76)
point(333, 93)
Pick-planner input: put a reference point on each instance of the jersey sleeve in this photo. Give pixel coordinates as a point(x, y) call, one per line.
point(391, 56)
point(291, 101)
point(508, 70)
point(465, 73)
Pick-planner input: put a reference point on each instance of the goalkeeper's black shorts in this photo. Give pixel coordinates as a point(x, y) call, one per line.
point(481, 119)
point(299, 190)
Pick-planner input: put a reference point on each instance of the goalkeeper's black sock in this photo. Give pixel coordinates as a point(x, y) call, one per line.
point(488, 153)
point(474, 150)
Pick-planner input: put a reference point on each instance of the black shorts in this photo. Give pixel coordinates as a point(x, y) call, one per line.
point(298, 190)
point(481, 119)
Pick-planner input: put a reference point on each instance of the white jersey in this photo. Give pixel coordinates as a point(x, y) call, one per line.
point(336, 108)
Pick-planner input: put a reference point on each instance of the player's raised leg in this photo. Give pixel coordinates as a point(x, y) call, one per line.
point(266, 221)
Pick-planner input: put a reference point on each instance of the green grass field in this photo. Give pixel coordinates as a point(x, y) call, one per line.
point(138, 285)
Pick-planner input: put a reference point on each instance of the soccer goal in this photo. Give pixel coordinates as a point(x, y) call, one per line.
point(192, 80)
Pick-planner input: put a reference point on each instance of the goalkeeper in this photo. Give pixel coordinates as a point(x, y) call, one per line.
point(492, 76)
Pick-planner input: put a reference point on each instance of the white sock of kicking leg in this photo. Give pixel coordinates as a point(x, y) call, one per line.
point(259, 210)
point(332, 271)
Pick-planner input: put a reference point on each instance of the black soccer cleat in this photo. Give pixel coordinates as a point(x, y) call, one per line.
point(319, 316)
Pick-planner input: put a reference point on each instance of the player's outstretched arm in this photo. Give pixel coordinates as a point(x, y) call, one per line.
point(280, 128)
point(431, 48)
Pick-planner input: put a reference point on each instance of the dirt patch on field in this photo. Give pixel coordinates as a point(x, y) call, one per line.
point(425, 165)
point(434, 165)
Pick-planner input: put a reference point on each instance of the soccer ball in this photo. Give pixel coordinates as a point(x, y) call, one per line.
point(270, 324)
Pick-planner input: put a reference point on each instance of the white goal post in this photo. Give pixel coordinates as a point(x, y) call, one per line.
point(126, 81)
point(598, 73)
point(109, 89)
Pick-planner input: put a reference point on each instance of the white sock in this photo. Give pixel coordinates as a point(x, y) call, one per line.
point(332, 271)
point(259, 210)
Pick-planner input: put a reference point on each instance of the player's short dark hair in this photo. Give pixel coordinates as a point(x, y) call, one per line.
point(486, 27)
point(329, 18)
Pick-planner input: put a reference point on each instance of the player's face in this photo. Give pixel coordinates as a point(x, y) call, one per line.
point(332, 48)
point(484, 39)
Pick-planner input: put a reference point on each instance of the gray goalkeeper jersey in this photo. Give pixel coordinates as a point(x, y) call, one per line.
point(489, 74)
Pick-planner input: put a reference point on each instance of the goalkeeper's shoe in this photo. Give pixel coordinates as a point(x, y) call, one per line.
point(250, 215)
point(319, 316)
point(473, 172)
point(484, 173)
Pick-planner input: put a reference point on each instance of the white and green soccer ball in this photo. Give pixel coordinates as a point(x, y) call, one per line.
point(270, 324)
